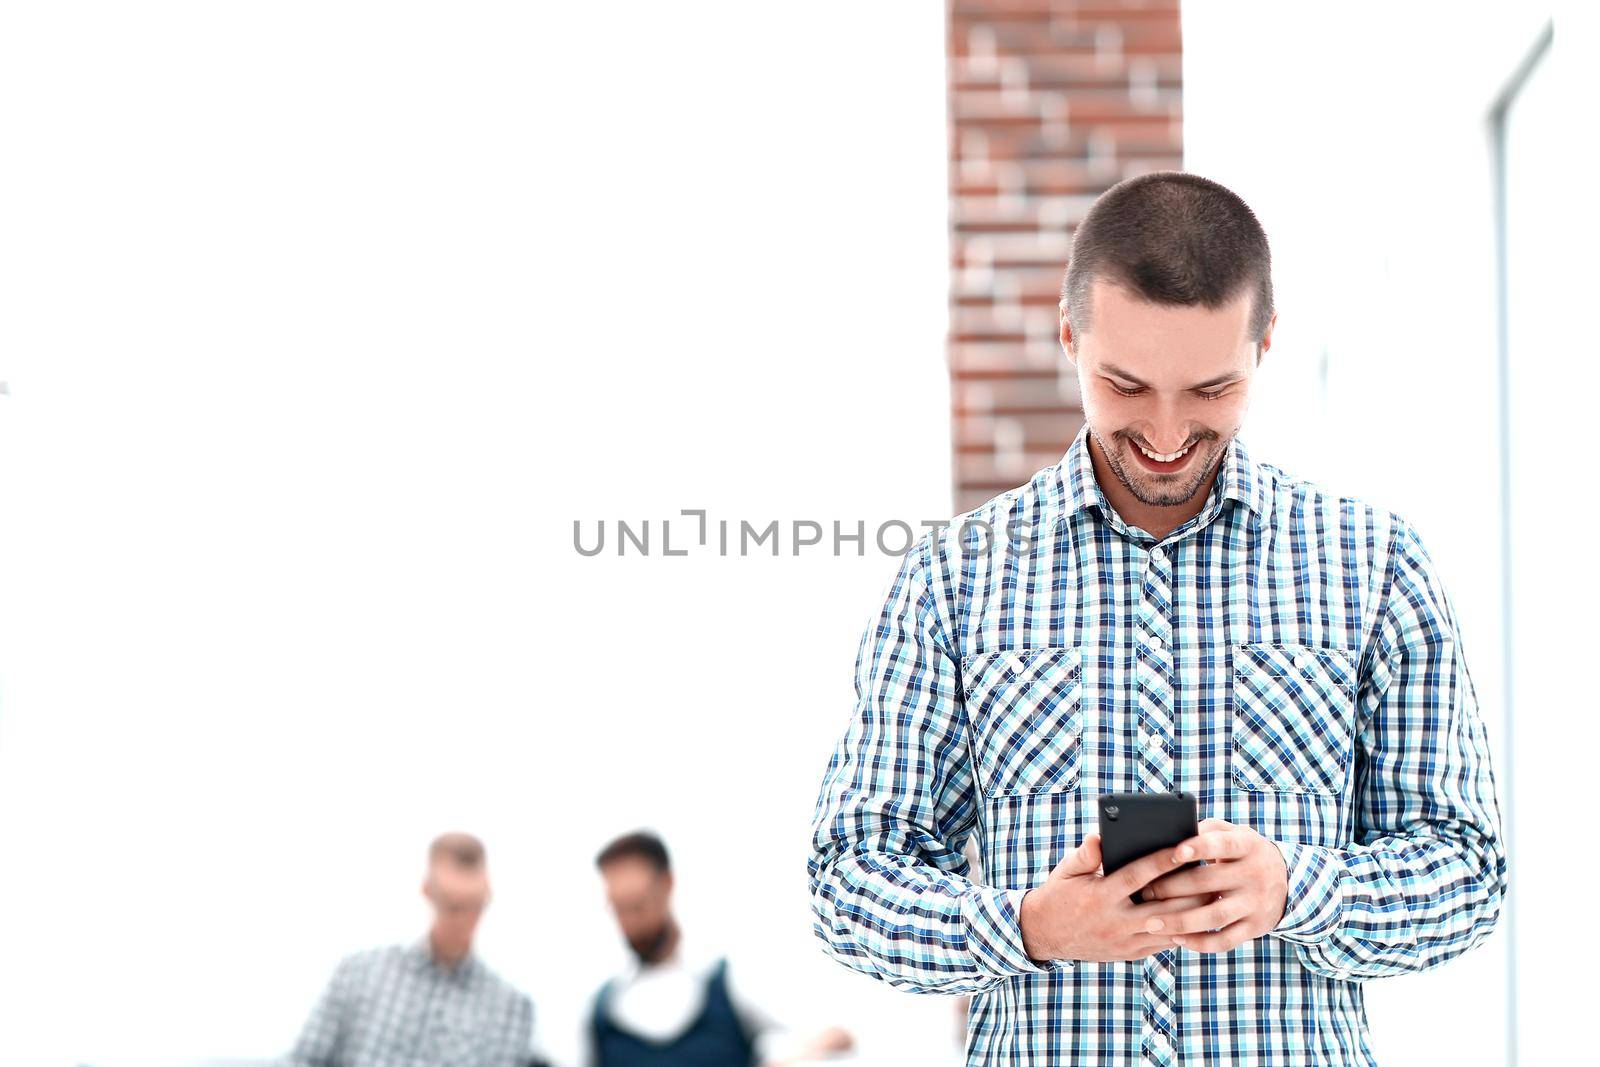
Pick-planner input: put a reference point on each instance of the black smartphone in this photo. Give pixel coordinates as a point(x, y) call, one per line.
point(1136, 824)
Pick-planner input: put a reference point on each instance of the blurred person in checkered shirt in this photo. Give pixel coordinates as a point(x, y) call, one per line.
point(429, 1002)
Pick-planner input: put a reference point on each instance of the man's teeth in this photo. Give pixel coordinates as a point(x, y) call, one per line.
point(1168, 457)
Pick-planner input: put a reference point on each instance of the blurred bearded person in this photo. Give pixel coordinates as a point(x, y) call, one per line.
point(674, 1005)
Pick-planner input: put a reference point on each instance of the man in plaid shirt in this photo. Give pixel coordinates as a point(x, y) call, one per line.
point(429, 1004)
point(1158, 612)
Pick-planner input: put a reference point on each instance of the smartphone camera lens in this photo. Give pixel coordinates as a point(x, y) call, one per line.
point(1111, 812)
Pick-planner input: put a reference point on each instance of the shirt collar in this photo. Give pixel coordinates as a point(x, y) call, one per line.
point(1238, 479)
point(422, 960)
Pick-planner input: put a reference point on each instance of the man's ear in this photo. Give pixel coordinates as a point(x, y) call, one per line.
point(1266, 338)
point(1067, 338)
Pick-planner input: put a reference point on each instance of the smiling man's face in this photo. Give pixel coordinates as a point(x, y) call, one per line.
point(1173, 380)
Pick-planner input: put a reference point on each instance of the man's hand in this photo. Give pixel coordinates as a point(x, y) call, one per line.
point(1243, 890)
point(1077, 913)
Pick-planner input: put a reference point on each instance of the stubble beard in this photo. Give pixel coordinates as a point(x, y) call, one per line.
point(1148, 488)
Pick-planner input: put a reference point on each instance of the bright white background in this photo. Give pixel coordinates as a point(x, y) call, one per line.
point(1360, 136)
point(323, 323)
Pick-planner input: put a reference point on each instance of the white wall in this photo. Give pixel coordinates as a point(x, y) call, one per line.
point(322, 323)
point(1360, 136)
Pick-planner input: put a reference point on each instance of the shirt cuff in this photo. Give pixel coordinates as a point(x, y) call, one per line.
point(1311, 913)
point(994, 933)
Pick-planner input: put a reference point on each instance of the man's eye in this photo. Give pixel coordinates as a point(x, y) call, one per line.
point(1126, 392)
point(1210, 396)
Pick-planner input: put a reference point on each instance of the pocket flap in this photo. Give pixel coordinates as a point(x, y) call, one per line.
point(1294, 716)
point(1023, 706)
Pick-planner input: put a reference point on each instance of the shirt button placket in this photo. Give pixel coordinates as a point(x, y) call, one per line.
point(1158, 728)
point(1153, 676)
point(1158, 1048)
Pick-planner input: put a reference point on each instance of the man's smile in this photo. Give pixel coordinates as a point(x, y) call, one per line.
point(1164, 463)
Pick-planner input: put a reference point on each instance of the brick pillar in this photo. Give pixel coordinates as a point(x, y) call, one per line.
point(1051, 103)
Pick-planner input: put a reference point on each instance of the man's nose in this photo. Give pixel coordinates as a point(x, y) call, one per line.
point(1166, 436)
point(1169, 430)
point(1168, 443)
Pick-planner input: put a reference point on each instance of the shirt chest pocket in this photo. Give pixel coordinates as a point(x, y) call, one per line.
point(1025, 712)
point(1294, 712)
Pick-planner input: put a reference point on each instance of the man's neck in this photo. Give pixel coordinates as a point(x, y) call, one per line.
point(669, 947)
point(449, 963)
point(1154, 519)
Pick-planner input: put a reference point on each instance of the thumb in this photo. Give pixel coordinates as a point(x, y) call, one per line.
point(1085, 859)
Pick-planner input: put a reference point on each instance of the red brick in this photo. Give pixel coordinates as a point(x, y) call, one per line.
point(1050, 102)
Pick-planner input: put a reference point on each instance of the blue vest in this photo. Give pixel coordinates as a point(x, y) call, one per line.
point(715, 1039)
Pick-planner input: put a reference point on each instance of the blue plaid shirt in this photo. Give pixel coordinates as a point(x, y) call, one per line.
point(397, 1007)
point(1289, 657)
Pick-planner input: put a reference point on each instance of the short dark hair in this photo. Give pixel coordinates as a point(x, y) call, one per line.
point(461, 849)
point(1173, 238)
point(638, 845)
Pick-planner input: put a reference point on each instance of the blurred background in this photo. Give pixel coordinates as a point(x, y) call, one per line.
point(324, 326)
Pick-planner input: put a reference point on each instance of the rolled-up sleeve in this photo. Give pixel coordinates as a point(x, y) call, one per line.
point(889, 886)
point(1425, 875)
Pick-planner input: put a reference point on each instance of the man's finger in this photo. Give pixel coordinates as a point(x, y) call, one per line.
point(1211, 825)
point(1150, 946)
point(1085, 859)
point(1142, 871)
point(1224, 940)
point(1212, 878)
point(1171, 904)
point(1216, 915)
point(1215, 845)
point(1155, 918)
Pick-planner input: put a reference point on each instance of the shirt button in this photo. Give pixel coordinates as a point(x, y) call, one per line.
point(1154, 641)
point(1301, 661)
point(1158, 556)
